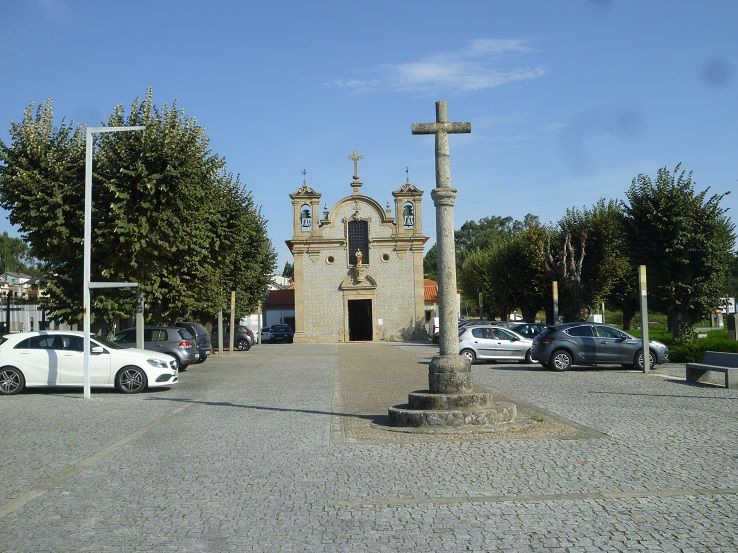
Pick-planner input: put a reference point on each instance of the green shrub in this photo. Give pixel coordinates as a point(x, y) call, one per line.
point(693, 351)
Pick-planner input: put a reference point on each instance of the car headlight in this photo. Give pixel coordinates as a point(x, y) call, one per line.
point(158, 363)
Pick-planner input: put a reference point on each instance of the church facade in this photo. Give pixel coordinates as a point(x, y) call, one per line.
point(358, 267)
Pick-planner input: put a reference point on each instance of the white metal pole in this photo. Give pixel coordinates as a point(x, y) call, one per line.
point(86, 307)
point(87, 262)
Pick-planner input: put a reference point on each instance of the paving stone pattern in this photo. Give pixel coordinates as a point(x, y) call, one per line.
point(243, 455)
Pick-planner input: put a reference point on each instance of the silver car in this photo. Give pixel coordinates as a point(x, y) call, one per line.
point(484, 342)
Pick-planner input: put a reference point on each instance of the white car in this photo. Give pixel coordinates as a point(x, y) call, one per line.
point(266, 334)
point(55, 358)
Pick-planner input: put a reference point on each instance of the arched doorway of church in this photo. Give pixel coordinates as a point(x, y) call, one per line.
point(360, 320)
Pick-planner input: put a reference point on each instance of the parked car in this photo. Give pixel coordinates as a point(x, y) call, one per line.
point(55, 358)
point(201, 336)
point(278, 333)
point(242, 340)
point(529, 330)
point(176, 342)
point(561, 346)
point(490, 342)
point(436, 338)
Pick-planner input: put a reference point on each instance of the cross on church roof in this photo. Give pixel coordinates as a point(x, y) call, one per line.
point(355, 157)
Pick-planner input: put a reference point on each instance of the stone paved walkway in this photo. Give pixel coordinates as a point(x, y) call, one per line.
point(272, 450)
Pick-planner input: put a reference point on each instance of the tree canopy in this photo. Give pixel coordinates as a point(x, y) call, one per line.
point(16, 256)
point(166, 214)
point(684, 238)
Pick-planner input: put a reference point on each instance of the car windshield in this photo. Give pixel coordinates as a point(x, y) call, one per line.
point(105, 342)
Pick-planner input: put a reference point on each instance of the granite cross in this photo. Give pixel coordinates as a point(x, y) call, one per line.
point(441, 128)
point(355, 157)
point(444, 198)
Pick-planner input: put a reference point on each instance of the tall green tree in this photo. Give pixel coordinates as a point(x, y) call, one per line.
point(510, 273)
point(166, 214)
point(519, 268)
point(684, 238)
point(289, 270)
point(587, 255)
point(15, 256)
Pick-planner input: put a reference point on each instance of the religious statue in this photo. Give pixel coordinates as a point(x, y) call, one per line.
point(359, 257)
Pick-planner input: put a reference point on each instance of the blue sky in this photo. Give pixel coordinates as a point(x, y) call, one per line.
point(568, 100)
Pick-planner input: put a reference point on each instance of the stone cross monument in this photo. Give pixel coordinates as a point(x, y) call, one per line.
point(450, 400)
point(444, 198)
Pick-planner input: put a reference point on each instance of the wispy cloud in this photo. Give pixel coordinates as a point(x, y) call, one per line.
point(476, 67)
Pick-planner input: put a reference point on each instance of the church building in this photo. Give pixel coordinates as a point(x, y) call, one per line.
point(358, 267)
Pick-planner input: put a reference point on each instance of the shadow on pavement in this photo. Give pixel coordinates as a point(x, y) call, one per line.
point(374, 418)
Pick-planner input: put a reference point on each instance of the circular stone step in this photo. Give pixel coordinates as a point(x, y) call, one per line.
point(493, 414)
point(424, 399)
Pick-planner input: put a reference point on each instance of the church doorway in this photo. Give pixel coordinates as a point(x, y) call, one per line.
point(360, 320)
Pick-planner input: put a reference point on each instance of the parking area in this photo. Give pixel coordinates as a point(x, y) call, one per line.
point(269, 450)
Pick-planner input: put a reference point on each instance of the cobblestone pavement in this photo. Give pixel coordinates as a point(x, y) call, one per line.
point(244, 454)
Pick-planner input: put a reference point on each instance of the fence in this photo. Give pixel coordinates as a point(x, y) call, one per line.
point(27, 317)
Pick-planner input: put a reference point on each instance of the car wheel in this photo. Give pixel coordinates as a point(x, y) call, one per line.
point(11, 381)
point(469, 354)
point(243, 345)
point(639, 360)
point(130, 380)
point(528, 358)
point(561, 360)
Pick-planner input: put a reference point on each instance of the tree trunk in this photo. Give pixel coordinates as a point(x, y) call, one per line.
point(674, 323)
point(628, 314)
point(529, 313)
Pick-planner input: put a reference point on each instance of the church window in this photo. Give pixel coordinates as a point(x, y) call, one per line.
point(408, 215)
point(385, 257)
point(330, 259)
point(358, 239)
point(306, 218)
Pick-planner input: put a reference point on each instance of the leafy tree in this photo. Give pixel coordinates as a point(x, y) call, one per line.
point(510, 274)
point(586, 254)
point(289, 270)
point(519, 269)
point(166, 214)
point(430, 263)
point(16, 256)
point(730, 287)
point(684, 238)
point(488, 232)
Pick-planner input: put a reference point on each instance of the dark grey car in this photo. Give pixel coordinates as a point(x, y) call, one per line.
point(529, 330)
point(241, 340)
point(561, 346)
point(170, 340)
point(202, 338)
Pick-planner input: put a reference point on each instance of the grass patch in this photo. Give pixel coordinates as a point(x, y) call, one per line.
point(716, 340)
